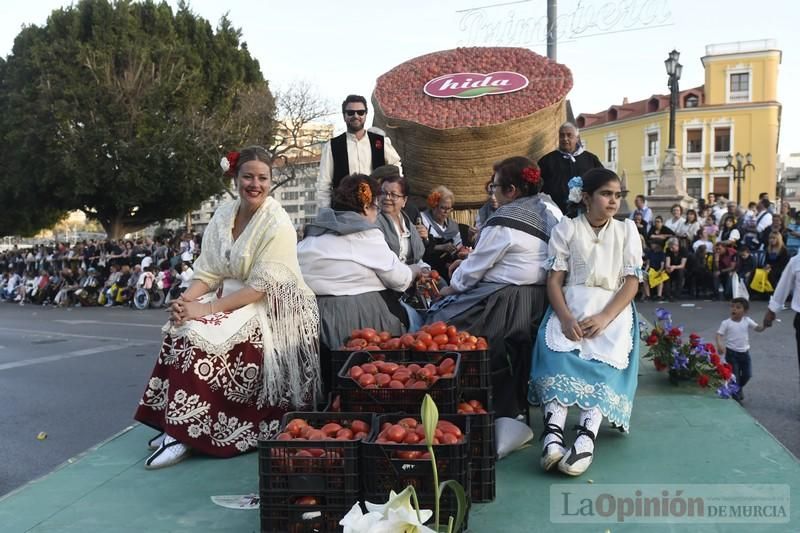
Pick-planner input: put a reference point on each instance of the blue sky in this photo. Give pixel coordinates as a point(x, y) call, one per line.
point(615, 48)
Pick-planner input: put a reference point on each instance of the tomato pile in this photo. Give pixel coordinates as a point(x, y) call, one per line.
point(300, 429)
point(471, 407)
point(388, 375)
point(431, 338)
point(399, 91)
point(410, 431)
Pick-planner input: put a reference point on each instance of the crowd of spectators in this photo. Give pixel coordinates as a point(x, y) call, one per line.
point(99, 272)
point(710, 251)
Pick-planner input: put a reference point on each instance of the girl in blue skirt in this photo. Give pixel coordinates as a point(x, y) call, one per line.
point(587, 350)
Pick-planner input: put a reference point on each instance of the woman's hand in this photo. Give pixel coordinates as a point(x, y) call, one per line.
point(447, 247)
point(571, 329)
point(422, 230)
point(453, 266)
point(446, 291)
point(594, 325)
point(182, 311)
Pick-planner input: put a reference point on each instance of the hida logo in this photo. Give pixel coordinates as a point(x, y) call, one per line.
point(473, 84)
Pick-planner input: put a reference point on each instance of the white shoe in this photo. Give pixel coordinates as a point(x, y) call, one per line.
point(156, 442)
point(169, 453)
point(575, 463)
point(553, 450)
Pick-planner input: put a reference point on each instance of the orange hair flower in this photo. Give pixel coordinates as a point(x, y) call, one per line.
point(364, 194)
point(433, 199)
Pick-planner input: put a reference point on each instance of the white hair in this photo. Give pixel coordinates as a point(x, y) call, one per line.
point(569, 125)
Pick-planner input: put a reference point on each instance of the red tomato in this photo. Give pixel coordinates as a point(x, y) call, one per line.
point(413, 367)
point(306, 500)
point(371, 347)
point(331, 429)
point(481, 344)
point(449, 438)
point(410, 383)
point(394, 384)
point(408, 455)
point(411, 438)
point(366, 333)
point(420, 346)
point(356, 371)
point(449, 427)
point(441, 339)
point(366, 379)
point(385, 426)
point(451, 331)
point(407, 340)
point(382, 380)
point(425, 337)
point(438, 328)
point(356, 343)
point(408, 422)
point(396, 433)
point(369, 368)
point(316, 452)
point(401, 375)
point(420, 385)
point(360, 435)
point(316, 434)
point(465, 408)
point(391, 368)
point(355, 334)
point(424, 373)
point(475, 403)
point(284, 436)
point(359, 426)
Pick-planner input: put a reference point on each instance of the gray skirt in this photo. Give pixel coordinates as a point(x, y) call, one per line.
point(339, 315)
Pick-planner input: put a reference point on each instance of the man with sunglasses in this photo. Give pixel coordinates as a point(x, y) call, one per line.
point(356, 151)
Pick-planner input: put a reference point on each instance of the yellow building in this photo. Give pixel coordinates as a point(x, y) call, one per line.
point(735, 110)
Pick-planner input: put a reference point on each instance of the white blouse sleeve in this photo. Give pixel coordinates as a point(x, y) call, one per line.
point(370, 249)
point(558, 247)
point(632, 252)
point(495, 241)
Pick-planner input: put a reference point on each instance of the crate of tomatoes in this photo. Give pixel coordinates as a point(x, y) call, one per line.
point(380, 343)
point(302, 513)
point(477, 405)
point(315, 454)
point(367, 384)
point(398, 457)
point(440, 337)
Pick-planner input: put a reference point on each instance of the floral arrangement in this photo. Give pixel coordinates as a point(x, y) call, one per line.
point(378, 144)
point(402, 512)
point(531, 175)
point(433, 199)
point(229, 164)
point(575, 185)
point(687, 359)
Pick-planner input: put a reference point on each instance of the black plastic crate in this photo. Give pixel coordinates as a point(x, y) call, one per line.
point(389, 472)
point(482, 480)
point(481, 427)
point(476, 367)
point(293, 518)
point(357, 399)
point(334, 468)
point(340, 357)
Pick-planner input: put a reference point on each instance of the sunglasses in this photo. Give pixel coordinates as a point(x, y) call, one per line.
point(359, 112)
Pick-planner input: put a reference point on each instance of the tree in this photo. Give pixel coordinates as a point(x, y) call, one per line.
point(123, 110)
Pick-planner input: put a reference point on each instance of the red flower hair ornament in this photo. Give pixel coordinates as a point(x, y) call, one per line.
point(229, 164)
point(433, 199)
point(364, 194)
point(531, 175)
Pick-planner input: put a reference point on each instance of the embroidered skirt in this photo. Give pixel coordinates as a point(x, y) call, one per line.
point(207, 390)
point(587, 383)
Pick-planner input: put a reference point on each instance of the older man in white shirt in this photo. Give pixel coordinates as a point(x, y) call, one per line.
point(357, 151)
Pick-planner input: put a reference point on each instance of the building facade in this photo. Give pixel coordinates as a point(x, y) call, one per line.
point(735, 110)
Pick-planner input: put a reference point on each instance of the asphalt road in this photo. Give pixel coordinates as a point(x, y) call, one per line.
point(77, 375)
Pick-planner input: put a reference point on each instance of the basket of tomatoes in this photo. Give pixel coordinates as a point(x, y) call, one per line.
point(368, 384)
point(477, 405)
point(380, 343)
point(398, 457)
point(302, 513)
point(475, 359)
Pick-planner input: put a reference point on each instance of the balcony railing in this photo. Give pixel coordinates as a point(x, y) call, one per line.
point(719, 159)
point(694, 160)
point(649, 162)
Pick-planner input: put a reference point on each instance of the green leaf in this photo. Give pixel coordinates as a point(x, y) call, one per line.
point(461, 498)
point(478, 91)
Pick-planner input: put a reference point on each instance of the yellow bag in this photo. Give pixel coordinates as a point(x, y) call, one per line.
point(656, 278)
point(761, 282)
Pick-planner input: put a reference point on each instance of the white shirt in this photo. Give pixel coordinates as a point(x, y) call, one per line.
point(404, 236)
point(357, 263)
point(719, 211)
point(437, 230)
point(147, 261)
point(186, 277)
point(708, 244)
point(736, 333)
point(676, 225)
point(765, 222)
point(789, 282)
point(503, 255)
point(359, 159)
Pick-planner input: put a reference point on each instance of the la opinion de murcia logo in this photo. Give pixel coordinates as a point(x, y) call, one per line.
point(473, 84)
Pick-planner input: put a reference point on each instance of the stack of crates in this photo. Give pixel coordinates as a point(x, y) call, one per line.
point(308, 486)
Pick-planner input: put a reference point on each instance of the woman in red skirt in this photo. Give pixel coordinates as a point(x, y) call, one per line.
point(241, 346)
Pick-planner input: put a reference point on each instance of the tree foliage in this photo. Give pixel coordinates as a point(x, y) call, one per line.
point(123, 110)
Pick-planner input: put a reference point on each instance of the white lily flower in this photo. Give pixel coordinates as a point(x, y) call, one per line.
point(403, 521)
point(355, 521)
point(396, 501)
point(225, 164)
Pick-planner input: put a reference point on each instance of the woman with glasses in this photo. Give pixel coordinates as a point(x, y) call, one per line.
point(498, 291)
point(400, 233)
point(444, 235)
point(357, 278)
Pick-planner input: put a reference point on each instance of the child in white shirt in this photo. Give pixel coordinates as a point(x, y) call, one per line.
point(735, 333)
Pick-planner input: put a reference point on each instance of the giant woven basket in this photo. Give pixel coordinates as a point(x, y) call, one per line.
point(455, 141)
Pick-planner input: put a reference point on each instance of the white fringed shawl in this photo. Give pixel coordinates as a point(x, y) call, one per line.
point(263, 257)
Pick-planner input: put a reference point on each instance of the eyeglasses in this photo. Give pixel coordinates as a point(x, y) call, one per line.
point(391, 195)
point(445, 209)
point(359, 112)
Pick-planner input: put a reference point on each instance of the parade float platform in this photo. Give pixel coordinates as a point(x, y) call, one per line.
point(680, 435)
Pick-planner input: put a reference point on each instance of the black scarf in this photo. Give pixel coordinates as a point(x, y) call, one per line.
point(528, 214)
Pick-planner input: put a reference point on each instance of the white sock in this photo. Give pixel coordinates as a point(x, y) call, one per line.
point(558, 417)
point(591, 418)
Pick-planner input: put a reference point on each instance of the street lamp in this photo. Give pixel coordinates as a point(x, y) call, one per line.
point(674, 70)
point(738, 171)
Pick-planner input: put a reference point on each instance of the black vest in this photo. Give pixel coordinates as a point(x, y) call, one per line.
point(341, 165)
